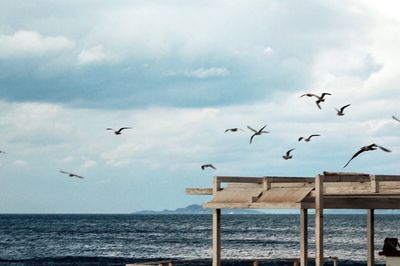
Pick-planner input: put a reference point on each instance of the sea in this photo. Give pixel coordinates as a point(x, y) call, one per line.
point(87, 239)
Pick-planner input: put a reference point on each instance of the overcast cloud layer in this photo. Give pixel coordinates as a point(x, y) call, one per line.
point(180, 73)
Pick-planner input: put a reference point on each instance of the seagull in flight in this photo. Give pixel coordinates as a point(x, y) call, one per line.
point(319, 100)
point(287, 156)
point(395, 118)
point(371, 147)
point(309, 137)
point(71, 174)
point(3, 152)
point(235, 129)
point(340, 111)
point(119, 131)
point(204, 166)
point(257, 132)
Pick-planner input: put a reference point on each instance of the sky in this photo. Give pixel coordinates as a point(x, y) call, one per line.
point(180, 73)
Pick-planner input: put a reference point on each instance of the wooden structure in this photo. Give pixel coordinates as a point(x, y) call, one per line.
point(325, 191)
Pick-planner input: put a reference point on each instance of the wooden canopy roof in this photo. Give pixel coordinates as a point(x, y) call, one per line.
point(339, 191)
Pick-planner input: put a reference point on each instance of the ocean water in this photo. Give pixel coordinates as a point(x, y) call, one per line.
point(119, 239)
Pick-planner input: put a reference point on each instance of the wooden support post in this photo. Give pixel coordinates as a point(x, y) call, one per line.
point(255, 263)
point(216, 185)
point(370, 231)
point(296, 262)
point(303, 237)
point(335, 261)
point(216, 237)
point(319, 221)
point(171, 264)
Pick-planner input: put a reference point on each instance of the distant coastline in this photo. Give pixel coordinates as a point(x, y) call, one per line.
point(198, 209)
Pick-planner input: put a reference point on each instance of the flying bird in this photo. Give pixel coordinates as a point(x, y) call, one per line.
point(71, 174)
point(309, 137)
point(371, 147)
point(340, 111)
point(119, 131)
point(287, 156)
point(235, 129)
point(395, 118)
point(319, 100)
point(3, 152)
point(257, 132)
point(204, 166)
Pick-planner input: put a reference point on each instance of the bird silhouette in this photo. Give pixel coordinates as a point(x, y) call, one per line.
point(257, 132)
point(3, 152)
point(119, 131)
point(395, 118)
point(371, 147)
point(204, 166)
point(309, 137)
point(319, 100)
point(235, 129)
point(287, 156)
point(340, 111)
point(71, 174)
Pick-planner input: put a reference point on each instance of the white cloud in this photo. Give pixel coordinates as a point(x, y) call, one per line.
point(20, 163)
point(88, 164)
point(268, 50)
point(92, 55)
point(31, 43)
point(207, 72)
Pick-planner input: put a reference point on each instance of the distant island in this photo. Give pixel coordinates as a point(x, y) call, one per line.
point(198, 209)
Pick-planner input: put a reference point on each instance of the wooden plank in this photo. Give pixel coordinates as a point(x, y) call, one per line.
point(216, 260)
point(216, 185)
point(370, 238)
point(303, 237)
point(239, 179)
point(374, 184)
point(199, 191)
point(319, 221)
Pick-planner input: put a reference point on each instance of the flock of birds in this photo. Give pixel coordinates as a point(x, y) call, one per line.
point(319, 99)
point(116, 132)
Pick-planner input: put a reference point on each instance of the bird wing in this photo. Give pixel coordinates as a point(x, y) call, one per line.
point(313, 135)
point(341, 109)
point(122, 128)
point(300, 138)
point(317, 102)
point(252, 129)
point(202, 167)
point(251, 138)
point(226, 130)
point(384, 149)
point(63, 172)
point(212, 166)
point(324, 94)
point(354, 156)
point(109, 128)
point(261, 129)
point(78, 176)
point(288, 152)
point(309, 95)
point(395, 118)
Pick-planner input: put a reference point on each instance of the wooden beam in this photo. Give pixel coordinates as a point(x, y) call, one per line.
point(374, 184)
point(216, 260)
point(319, 221)
point(370, 231)
point(216, 185)
point(303, 237)
point(199, 191)
point(239, 179)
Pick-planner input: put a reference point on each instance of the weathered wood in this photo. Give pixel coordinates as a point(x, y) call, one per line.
point(319, 221)
point(374, 184)
point(216, 260)
point(370, 237)
point(199, 191)
point(296, 262)
point(240, 179)
point(255, 263)
point(303, 237)
point(216, 185)
point(335, 261)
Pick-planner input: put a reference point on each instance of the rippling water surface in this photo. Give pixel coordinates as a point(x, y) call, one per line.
point(41, 238)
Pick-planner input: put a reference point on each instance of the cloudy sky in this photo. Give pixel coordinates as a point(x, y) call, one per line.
point(180, 73)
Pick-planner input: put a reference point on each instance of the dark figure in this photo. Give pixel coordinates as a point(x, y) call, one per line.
point(390, 247)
